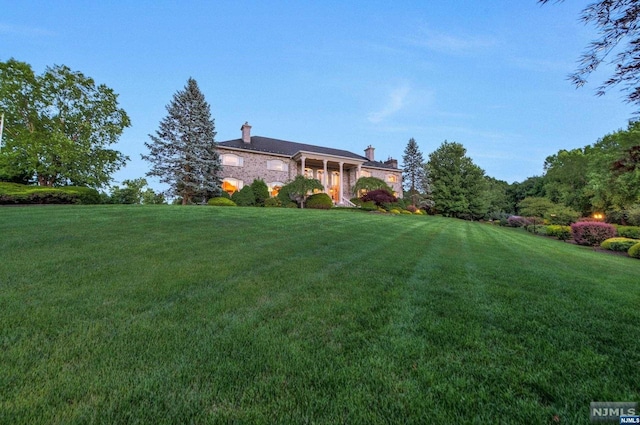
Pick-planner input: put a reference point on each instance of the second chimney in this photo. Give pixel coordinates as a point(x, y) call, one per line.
point(246, 132)
point(368, 152)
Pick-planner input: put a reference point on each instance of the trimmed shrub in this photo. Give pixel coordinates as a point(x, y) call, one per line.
point(14, 193)
point(634, 251)
point(221, 202)
point(419, 212)
point(411, 208)
point(395, 211)
point(244, 197)
point(368, 206)
point(405, 212)
point(271, 202)
point(619, 244)
point(592, 233)
point(379, 197)
point(561, 232)
point(632, 232)
point(319, 201)
point(260, 192)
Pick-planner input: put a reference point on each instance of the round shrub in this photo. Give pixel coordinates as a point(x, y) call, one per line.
point(619, 244)
point(271, 202)
point(592, 233)
point(405, 212)
point(411, 208)
point(319, 201)
point(395, 211)
point(419, 212)
point(221, 202)
point(634, 251)
point(244, 197)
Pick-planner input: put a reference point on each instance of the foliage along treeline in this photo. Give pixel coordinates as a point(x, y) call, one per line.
point(603, 177)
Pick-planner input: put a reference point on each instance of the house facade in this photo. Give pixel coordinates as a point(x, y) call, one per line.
point(279, 161)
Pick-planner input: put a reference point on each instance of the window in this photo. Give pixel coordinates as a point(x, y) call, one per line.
point(274, 188)
point(392, 178)
point(230, 185)
point(277, 165)
point(308, 173)
point(231, 159)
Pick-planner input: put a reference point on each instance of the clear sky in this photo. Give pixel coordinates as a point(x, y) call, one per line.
point(490, 74)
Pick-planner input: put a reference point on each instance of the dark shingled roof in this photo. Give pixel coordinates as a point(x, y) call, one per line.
point(283, 147)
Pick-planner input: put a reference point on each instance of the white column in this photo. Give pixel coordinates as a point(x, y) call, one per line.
point(325, 177)
point(341, 183)
point(359, 171)
point(302, 159)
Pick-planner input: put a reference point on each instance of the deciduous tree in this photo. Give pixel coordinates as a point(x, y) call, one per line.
point(617, 22)
point(458, 184)
point(183, 151)
point(58, 127)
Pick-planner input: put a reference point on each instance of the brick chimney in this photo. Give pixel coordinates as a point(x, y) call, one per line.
point(368, 152)
point(392, 162)
point(246, 132)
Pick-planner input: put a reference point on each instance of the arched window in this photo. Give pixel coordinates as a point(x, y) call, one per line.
point(231, 185)
point(274, 188)
point(232, 160)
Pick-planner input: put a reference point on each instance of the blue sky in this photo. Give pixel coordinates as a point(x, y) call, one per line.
point(489, 74)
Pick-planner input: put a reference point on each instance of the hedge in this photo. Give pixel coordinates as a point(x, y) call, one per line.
point(632, 232)
point(634, 251)
point(14, 193)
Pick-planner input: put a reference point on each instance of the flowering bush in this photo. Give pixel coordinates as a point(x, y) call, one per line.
point(592, 233)
point(517, 221)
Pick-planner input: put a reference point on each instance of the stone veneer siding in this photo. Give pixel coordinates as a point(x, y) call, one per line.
point(255, 167)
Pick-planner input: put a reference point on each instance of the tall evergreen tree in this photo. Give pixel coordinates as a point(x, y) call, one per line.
point(414, 172)
point(183, 151)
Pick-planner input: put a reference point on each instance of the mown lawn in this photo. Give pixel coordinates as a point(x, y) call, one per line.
point(124, 314)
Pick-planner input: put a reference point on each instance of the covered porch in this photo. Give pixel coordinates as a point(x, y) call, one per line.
point(336, 174)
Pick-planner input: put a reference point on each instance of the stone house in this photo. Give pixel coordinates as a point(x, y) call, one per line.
point(279, 161)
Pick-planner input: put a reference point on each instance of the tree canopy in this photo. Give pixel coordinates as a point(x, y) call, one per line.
point(183, 151)
point(459, 186)
point(58, 127)
point(617, 23)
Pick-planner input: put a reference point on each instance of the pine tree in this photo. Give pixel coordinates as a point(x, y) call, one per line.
point(413, 170)
point(183, 151)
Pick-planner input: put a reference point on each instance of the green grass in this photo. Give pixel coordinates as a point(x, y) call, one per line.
point(161, 314)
